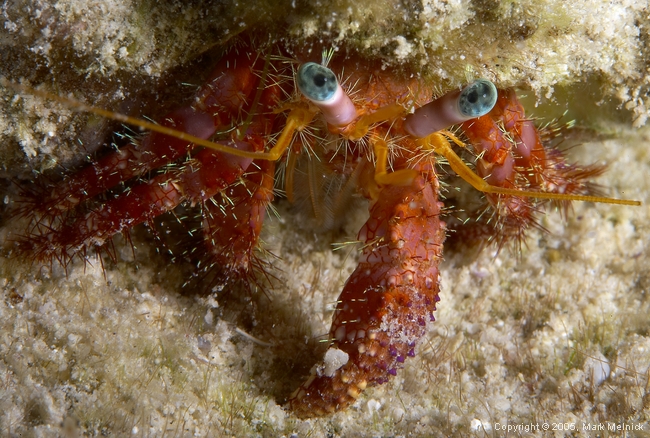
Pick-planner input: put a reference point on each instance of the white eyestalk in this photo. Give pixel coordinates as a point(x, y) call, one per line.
point(475, 100)
point(319, 85)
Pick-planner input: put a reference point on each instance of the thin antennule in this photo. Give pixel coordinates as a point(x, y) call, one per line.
point(327, 56)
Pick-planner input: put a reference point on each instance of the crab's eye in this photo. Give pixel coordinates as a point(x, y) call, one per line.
point(316, 82)
point(477, 99)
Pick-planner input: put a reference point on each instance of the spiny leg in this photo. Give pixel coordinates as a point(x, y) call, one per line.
point(231, 225)
point(79, 229)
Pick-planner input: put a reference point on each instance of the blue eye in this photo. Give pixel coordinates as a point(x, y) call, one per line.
point(477, 99)
point(316, 82)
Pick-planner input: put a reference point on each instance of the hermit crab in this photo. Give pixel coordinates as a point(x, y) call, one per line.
point(377, 129)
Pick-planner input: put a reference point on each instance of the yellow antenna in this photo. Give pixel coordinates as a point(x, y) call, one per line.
point(297, 119)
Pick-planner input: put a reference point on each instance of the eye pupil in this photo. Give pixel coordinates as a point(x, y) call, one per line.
point(472, 97)
point(320, 80)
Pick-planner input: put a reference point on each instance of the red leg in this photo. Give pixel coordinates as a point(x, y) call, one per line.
point(76, 230)
point(512, 155)
point(232, 222)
